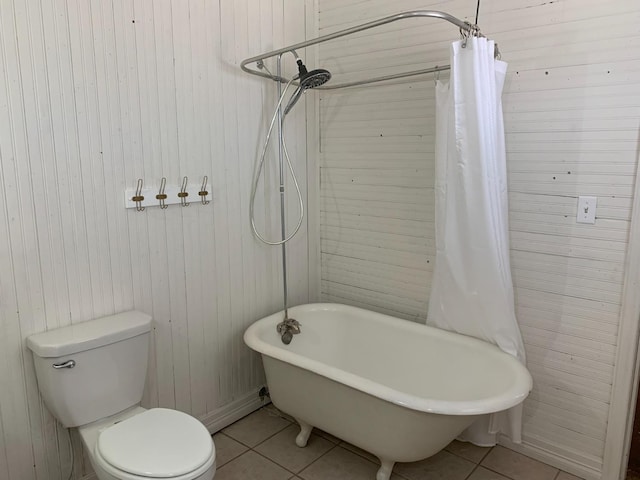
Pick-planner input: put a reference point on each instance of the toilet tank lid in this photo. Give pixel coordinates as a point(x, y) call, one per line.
point(87, 335)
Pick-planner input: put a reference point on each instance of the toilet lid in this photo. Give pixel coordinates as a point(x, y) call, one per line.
point(157, 443)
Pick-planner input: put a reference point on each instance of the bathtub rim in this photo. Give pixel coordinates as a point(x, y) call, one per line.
point(512, 397)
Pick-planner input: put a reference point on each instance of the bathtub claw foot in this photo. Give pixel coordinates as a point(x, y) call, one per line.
point(303, 436)
point(384, 472)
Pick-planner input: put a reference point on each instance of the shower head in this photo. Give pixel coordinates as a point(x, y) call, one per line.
point(312, 79)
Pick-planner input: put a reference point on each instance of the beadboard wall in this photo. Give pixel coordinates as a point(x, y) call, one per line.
point(572, 109)
point(93, 95)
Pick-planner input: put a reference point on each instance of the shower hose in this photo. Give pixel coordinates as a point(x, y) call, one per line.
point(260, 169)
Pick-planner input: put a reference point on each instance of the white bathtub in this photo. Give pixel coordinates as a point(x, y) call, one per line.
point(397, 389)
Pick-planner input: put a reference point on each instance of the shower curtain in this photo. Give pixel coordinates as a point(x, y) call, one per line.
point(472, 290)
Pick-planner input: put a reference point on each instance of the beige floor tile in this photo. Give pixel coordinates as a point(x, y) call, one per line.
point(257, 427)
point(483, 474)
point(468, 450)
point(517, 466)
point(251, 466)
point(282, 449)
point(341, 464)
point(442, 466)
point(227, 448)
point(567, 476)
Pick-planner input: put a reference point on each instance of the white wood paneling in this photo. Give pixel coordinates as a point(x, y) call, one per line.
point(93, 95)
point(571, 115)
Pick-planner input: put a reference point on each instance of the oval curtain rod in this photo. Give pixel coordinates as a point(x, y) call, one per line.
point(466, 29)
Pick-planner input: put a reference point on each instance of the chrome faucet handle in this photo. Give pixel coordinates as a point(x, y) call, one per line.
point(294, 326)
point(287, 329)
point(290, 324)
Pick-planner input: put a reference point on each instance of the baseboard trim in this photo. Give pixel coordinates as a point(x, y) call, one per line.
point(552, 459)
point(232, 412)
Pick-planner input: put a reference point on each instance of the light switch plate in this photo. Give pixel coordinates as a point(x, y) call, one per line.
point(586, 209)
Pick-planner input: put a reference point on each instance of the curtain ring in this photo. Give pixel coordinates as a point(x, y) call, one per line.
point(465, 33)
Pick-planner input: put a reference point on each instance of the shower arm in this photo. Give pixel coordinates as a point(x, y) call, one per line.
point(466, 29)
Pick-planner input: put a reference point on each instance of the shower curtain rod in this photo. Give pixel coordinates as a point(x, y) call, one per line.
point(466, 29)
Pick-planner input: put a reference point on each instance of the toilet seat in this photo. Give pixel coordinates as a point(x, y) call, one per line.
point(157, 443)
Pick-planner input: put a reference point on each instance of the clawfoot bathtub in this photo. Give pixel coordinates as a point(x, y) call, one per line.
point(397, 389)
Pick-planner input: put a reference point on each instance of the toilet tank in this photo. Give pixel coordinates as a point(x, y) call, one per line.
point(101, 366)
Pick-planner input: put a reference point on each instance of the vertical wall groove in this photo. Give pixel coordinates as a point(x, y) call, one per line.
point(571, 117)
point(93, 95)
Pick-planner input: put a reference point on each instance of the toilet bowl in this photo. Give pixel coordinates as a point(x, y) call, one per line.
point(140, 444)
point(91, 376)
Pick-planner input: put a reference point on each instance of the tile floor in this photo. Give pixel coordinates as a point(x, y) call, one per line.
point(262, 446)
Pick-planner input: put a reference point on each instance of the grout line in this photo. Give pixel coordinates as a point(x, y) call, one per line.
point(486, 455)
point(376, 463)
point(325, 453)
point(273, 461)
point(341, 445)
point(472, 471)
point(479, 462)
point(261, 442)
point(233, 458)
point(270, 437)
point(492, 470)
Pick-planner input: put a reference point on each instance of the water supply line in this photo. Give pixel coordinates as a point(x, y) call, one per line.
point(277, 114)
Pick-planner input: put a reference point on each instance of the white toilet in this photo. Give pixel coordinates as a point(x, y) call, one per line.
point(91, 376)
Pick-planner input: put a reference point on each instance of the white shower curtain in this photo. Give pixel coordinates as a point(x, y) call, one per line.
point(472, 291)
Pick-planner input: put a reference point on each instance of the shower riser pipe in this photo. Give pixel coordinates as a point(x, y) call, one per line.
point(282, 196)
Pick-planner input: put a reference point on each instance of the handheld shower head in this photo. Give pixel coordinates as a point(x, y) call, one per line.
point(312, 79)
point(307, 80)
point(315, 78)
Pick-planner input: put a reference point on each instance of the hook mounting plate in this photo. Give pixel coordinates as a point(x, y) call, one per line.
point(150, 194)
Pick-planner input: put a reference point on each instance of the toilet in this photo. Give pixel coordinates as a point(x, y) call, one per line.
point(91, 376)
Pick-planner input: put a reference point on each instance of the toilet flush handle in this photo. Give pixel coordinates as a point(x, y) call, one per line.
point(67, 364)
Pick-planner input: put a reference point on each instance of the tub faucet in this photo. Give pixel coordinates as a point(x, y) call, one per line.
point(287, 329)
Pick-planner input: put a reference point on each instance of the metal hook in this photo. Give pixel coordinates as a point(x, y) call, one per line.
point(183, 194)
point(203, 191)
point(161, 195)
point(471, 31)
point(464, 33)
point(138, 197)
